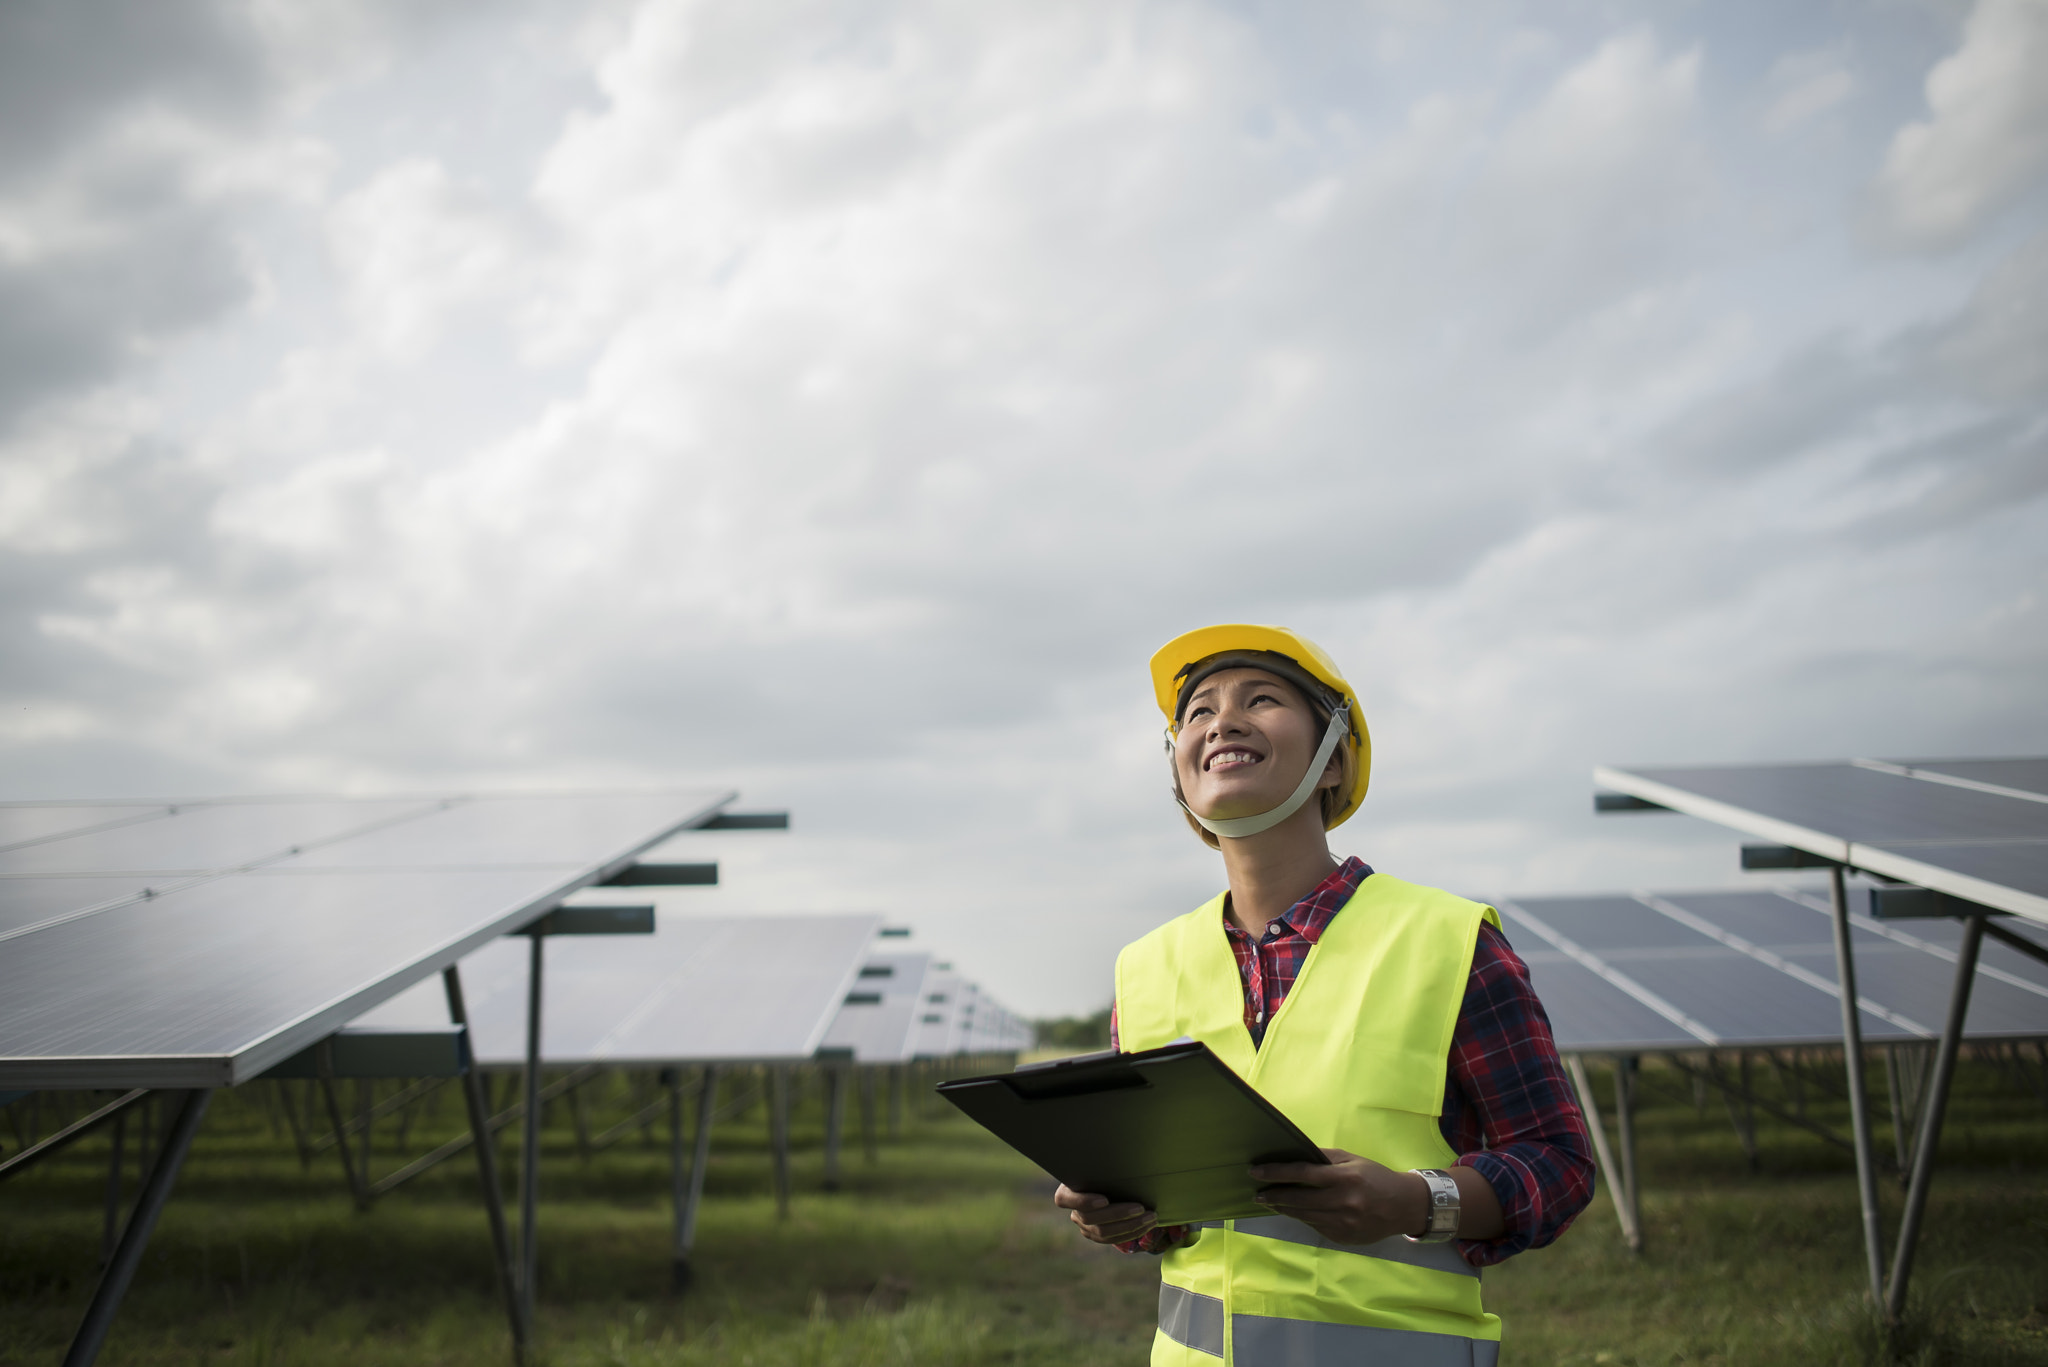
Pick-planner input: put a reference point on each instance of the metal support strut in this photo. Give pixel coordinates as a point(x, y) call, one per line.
point(529, 1152)
point(1624, 1211)
point(149, 1204)
point(1859, 1102)
point(1625, 1133)
point(689, 1197)
point(835, 1122)
point(487, 1165)
point(867, 1116)
point(358, 1182)
point(778, 1134)
point(1932, 1113)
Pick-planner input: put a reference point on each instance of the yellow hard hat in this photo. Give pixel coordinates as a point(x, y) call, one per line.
point(1178, 659)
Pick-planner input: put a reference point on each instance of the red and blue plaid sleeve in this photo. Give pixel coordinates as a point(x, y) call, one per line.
point(1509, 1111)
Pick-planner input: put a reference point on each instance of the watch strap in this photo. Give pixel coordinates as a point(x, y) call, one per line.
point(1444, 1207)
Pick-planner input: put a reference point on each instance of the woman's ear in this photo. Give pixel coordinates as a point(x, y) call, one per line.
point(1333, 772)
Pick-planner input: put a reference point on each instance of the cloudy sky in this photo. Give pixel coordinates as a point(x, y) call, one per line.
point(841, 401)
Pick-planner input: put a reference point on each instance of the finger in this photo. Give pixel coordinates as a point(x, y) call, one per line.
point(1117, 1214)
point(1114, 1217)
point(1066, 1198)
point(1116, 1231)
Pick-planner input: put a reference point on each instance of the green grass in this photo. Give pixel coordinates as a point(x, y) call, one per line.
point(946, 1252)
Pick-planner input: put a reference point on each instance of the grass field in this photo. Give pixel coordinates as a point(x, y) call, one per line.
point(946, 1252)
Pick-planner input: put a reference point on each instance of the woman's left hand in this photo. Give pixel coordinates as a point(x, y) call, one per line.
point(1350, 1200)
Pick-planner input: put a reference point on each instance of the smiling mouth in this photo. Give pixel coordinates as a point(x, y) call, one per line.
point(1231, 759)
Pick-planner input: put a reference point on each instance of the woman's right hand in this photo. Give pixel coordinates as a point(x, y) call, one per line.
point(1097, 1219)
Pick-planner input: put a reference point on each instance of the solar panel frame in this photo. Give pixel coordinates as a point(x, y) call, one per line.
point(1732, 1000)
point(701, 989)
point(2022, 774)
point(1869, 816)
point(138, 993)
point(885, 1031)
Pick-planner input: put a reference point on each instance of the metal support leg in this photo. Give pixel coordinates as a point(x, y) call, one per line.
point(358, 1183)
point(149, 1204)
point(1749, 1148)
point(111, 1232)
point(700, 1158)
point(529, 1153)
point(1895, 1092)
point(1625, 1132)
point(867, 1116)
point(487, 1165)
point(678, 1185)
point(1859, 1103)
point(1933, 1111)
point(778, 1135)
point(288, 1102)
point(1602, 1154)
point(835, 1123)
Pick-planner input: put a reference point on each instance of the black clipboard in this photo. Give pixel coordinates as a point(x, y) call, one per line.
point(1172, 1128)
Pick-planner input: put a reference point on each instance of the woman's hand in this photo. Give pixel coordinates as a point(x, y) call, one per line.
point(1351, 1200)
point(1097, 1219)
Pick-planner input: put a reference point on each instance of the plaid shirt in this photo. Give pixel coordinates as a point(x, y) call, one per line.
point(1508, 1113)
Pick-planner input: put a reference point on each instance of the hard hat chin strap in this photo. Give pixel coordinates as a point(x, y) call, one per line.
point(1238, 827)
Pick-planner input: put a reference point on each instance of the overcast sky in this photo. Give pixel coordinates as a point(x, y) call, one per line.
point(840, 401)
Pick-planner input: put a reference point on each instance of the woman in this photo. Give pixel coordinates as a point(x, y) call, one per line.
point(1390, 1021)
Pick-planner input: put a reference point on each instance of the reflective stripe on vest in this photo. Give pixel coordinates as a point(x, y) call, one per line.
point(1195, 1321)
point(1191, 1319)
point(1358, 1056)
point(1263, 1342)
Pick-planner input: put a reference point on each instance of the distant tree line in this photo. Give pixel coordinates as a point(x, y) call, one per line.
point(1074, 1032)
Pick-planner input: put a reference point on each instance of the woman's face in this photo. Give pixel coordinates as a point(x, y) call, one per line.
point(1244, 741)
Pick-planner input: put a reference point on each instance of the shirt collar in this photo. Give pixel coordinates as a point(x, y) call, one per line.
point(1310, 916)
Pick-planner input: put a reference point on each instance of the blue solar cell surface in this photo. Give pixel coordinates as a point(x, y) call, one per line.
point(198, 947)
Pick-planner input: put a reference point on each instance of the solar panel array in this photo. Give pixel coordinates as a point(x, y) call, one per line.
point(933, 1012)
point(195, 944)
point(1647, 972)
point(878, 1018)
point(700, 989)
point(1975, 829)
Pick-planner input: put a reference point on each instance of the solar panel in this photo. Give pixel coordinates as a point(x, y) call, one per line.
point(729, 989)
point(2023, 775)
point(1848, 802)
point(248, 952)
point(1679, 971)
point(2021, 865)
point(202, 838)
point(882, 1030)
point(1934, 825)
point(28, 823)
point(938, 1012)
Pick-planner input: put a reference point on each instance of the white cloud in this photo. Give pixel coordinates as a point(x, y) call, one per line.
point(415, 249)
point(841, 403)
point(1805, 85)
point(1985, 142)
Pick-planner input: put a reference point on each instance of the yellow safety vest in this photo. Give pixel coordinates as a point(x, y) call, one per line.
point(1357, 1057)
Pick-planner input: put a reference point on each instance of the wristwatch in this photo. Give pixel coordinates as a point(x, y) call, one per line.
point(1443, 1208)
